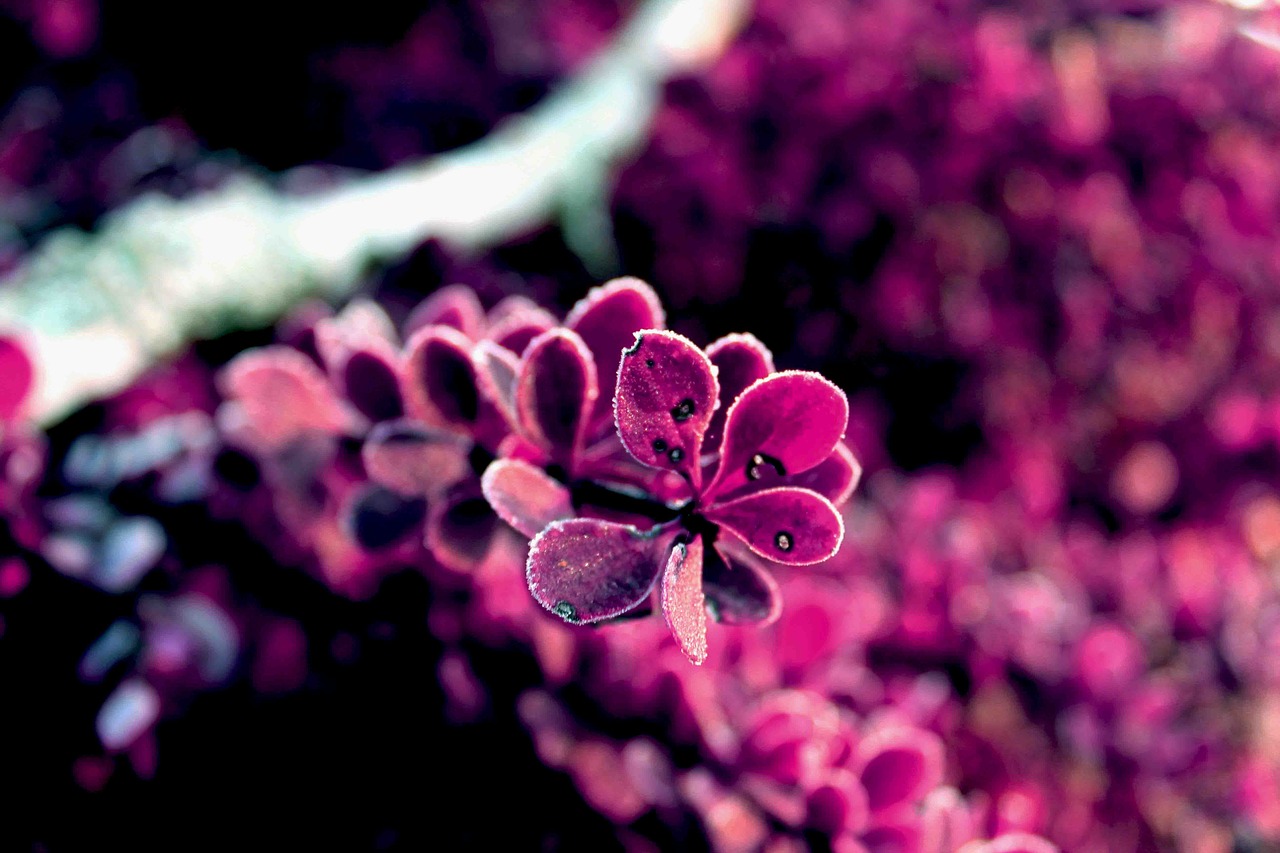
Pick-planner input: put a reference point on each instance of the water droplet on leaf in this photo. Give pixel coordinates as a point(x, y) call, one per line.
point(757, 463)
point(676, 454)
point(648, 362)
point(659, 446)
point(565, 611)
point(783, 541)
point(683, 411)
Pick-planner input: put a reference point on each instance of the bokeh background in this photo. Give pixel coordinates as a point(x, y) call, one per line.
point(1037, 245)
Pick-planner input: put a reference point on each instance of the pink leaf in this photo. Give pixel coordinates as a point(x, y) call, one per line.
point(607, 319)
point(461, 527)
point(413, 460)
point(440, 378)
point(455, 306)
point(785, 424)
point(740, 360)
point(555, 392)
point(281, 395)
point(789, 525)
point(682, 600)
point(17, 376)
point(524, 496)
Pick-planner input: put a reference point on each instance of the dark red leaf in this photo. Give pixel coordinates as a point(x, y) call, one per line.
point(440, 378)
point(738, 591)
point(586, 570)
point(555, 393)
point(666, 394)
point(607, 319)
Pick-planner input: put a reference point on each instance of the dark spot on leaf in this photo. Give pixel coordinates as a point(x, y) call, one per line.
point(676, 454)
point(683, 411)
point(659, 446)
point(783, 541)
point(380, 518)
point(566, 611)
point(757, 463)
point(648, 362)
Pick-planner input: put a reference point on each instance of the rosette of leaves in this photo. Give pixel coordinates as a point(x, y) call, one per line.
point(748, 468)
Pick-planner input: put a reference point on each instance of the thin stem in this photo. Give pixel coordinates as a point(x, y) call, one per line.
point(591, 493)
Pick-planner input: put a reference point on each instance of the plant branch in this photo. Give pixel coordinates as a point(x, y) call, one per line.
point(97, 310)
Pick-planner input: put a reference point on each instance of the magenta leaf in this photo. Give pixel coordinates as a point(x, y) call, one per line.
point(17, 375)
point(1015, 842)
point(461, 527)
point(834, 478)
point(607, 319)
point(413, 460)
point(281, 395)
point(516, 446)
point(665, 398)
point(371, 384)
point(788, 525)
point(784, 424)
point(899, 765)
point(509, 306)
point(378, 518)
point(682, 599)
point(837, 805)
point(892, 837)
point(740, 360)
point(945, 820)
point(524, 496)
point(517, 329)
point(555, 392)
point(738, 591)
point(361, 325)
point(440, 378)
point(455, 306)
point(496, 372)
point(586, 570)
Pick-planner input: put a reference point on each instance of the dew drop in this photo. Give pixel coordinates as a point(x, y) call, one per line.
point(683, 411)
point(648, 362)
point(659, 446)
point(676, 454)
point(565, 611)
point(783, 541)
point(757, 463)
